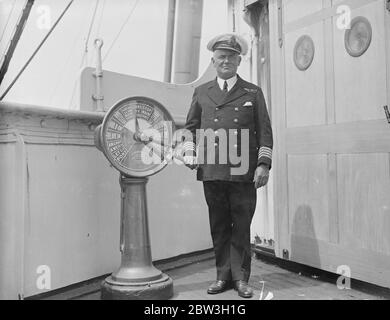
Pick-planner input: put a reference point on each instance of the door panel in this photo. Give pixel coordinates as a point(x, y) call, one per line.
point(295, 9)
point(307, 183)
point(360, 82)
point(305, 93)
point(365, 222)
point(332, 151)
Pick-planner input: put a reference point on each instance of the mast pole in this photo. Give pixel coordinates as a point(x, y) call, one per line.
point(35, 52)
point(15, 39)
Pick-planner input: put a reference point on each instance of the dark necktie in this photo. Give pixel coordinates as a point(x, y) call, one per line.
point(225, 87)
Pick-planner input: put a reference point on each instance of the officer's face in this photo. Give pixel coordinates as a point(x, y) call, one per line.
point(226, 63)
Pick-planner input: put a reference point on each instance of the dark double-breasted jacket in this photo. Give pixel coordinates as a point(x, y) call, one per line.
point(231, 132)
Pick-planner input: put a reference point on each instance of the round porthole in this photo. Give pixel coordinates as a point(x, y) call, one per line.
point(304, 52)
point(358, 38)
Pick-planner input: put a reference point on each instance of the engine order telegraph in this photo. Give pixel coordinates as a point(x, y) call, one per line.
point(136, 136)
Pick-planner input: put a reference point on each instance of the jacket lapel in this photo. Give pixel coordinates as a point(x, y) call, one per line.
point(220, 98)
point(236, 92)
point(215, 93)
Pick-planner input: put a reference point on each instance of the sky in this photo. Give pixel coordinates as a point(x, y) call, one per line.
point(134, 35)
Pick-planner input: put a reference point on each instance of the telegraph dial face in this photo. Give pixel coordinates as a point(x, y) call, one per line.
point(136, 136)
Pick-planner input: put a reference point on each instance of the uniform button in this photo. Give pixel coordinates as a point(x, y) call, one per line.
point(216, 132)
point(235, 132)
point(236, 109)
point(235, 120)
point(235, 146)
point(215, 144)
point(215, 120)
point(217, 108)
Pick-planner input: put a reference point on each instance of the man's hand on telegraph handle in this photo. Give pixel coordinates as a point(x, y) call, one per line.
point(261, 176)
point(190, 162)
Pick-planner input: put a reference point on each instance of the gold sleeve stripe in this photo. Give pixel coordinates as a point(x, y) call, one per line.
point(189, 146)
point(265, 152)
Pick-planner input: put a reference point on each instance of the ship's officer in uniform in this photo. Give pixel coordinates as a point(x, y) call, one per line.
point(230, 107)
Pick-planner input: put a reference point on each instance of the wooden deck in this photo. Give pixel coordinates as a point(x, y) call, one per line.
point(271, 279)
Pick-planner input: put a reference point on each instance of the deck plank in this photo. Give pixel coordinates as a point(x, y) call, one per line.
point(191, 281)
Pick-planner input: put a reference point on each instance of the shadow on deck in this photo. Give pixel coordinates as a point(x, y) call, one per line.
point(271, 278)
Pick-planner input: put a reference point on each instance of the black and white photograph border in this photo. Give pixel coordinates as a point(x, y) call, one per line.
point(226, 151)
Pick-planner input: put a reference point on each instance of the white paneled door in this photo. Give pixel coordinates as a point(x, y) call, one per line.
point(330, 83)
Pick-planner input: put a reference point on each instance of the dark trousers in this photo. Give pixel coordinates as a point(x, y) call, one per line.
point(231, 208)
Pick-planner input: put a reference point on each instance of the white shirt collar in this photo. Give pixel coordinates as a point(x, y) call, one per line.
point(230, 82)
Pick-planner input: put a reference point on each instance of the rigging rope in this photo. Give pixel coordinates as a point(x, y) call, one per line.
point(72, 51)
point(84, 56)
point(9, 16)
point(36, 51)
point(91, 25)
point(111, 46)
point(100, 20)
point(121, 29)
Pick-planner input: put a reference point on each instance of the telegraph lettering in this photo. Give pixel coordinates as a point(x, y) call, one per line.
point(114, 143)
point(127, 112)
point(115, 126)
point(144, 110)
point(119, 152)
point(119, 118)
point(155, 118)
point(112, 134)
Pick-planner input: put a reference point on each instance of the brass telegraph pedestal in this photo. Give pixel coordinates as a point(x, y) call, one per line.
point(136, 277)
point(135, 131)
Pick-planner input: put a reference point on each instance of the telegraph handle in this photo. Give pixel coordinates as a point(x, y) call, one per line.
point(174, 151)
